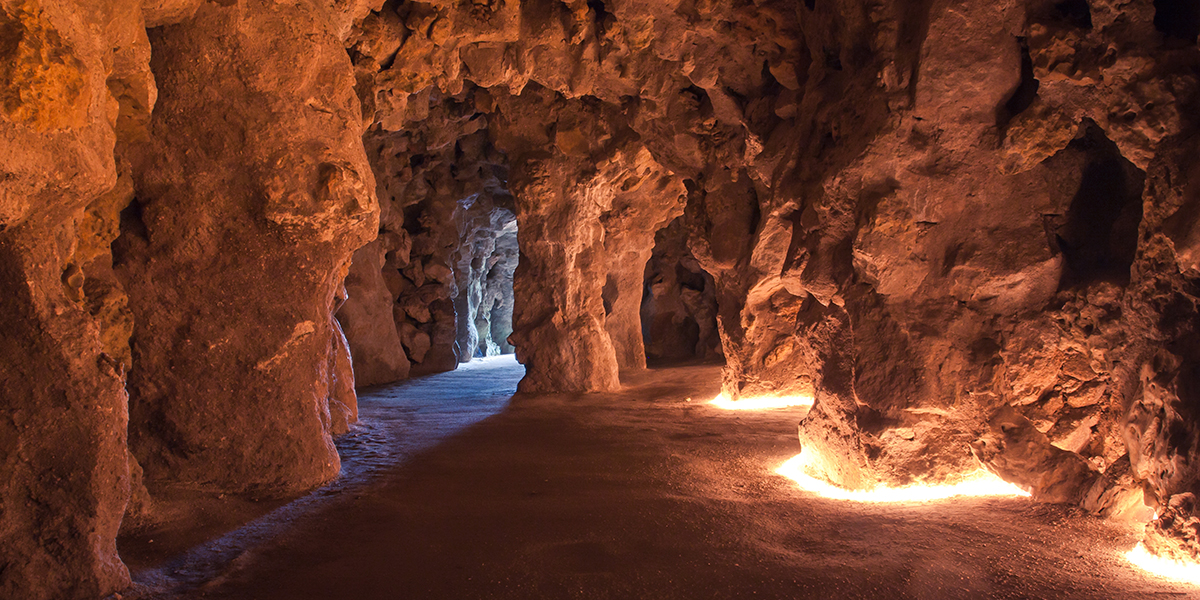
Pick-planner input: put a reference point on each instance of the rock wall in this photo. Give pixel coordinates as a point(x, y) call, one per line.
point(230, 216)
point(968, 228)
point(74, 81)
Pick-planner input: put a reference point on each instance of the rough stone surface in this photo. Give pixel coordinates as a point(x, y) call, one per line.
point(968, 229)
point(73, 77)
point(236, 244)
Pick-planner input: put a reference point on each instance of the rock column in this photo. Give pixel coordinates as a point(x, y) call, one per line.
point(237, 243)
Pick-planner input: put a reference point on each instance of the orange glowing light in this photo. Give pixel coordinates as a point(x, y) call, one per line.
point(761, 402)
point(1161, 566)
point(979, 483)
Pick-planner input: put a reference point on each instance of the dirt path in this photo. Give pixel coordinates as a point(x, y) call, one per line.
point(641, 494)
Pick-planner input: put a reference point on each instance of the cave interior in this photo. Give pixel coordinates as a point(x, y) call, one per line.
point(241, 240)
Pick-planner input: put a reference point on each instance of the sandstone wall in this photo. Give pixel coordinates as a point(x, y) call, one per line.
point(74, 81)
point(968, 228)
point(950, 222)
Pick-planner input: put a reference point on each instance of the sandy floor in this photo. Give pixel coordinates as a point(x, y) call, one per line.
point(452, 491)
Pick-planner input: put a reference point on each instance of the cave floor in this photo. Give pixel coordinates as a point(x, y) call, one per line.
point(451, 490)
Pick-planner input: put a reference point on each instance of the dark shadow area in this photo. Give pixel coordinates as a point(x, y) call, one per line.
point(1179, 19)
point(679, 306)
point(1026, 91)
point(1099, 237)
point(1075, 12)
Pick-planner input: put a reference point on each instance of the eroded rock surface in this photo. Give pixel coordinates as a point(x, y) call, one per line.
point(933, 220)
point(236, 244)
point(969, 229)
point(74, 82)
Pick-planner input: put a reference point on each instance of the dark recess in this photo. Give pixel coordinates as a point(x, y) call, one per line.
point(132, 227)
point(1075, 12)
point(598, 7)
point(1026, 91)
point(609, 294)
point(1099, 238)
point(1178, 19)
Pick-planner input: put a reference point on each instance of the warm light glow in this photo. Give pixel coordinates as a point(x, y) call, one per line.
point(979, 483)
point(761, 402)
point(1162, 566)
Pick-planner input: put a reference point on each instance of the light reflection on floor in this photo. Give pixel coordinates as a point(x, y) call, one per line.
point(1163, 567)
point(979, 483)
point(761, 402)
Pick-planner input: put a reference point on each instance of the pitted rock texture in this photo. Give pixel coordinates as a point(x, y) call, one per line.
point(267, 202)
point(74, 80)
point(969, 229)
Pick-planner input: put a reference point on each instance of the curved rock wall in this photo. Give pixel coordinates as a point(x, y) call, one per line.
point(969, 229)
point(266, 203)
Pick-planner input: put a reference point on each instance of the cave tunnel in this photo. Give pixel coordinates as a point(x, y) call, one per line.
point(608, 299)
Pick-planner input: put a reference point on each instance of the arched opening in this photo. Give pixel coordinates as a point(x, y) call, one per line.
point(679, 306)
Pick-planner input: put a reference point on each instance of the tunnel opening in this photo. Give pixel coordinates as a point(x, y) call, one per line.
point(1098, 235)
point(435, 289)
point(488, 258)
point(679, 307)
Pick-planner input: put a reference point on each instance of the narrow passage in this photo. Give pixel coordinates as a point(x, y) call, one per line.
point(646, 493)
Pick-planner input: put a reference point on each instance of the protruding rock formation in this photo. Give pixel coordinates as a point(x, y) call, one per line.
point(267, 202)
point(969, 231)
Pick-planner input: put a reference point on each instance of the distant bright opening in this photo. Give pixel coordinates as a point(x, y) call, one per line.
point(979, 483)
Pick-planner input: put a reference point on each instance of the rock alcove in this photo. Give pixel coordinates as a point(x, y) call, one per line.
point(970, 229)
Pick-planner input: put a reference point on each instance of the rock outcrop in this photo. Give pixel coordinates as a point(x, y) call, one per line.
point(74, 83)
point(232, 217)
point(969, 229)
